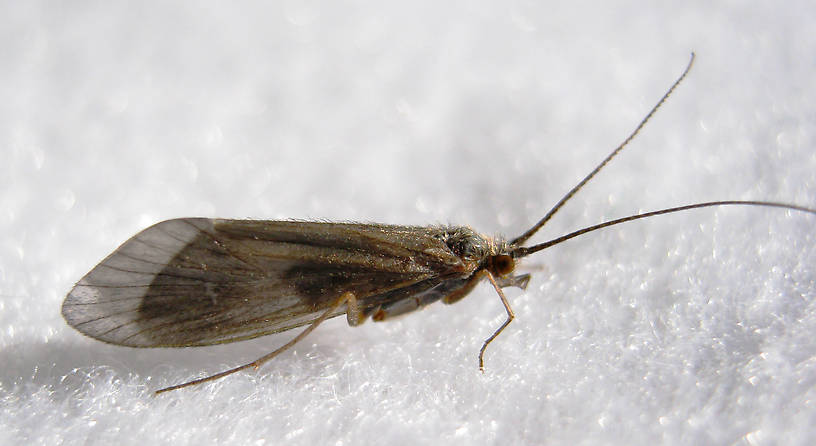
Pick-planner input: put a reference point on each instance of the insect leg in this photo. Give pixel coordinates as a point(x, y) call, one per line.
point(510, 317)
point(354, 316)
point(520, 281)
point(345, 297)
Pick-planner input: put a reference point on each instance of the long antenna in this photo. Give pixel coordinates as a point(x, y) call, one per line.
point(525, 251)
point(523, 237)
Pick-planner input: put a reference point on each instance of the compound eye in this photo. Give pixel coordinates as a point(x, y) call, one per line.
point(502, 264)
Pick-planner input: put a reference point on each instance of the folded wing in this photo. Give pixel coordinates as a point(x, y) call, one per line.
point(198, 281)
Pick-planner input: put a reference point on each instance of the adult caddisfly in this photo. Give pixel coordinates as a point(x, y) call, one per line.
point(201, 281)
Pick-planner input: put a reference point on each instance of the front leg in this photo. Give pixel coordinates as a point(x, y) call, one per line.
point(458, 294)
point(520, 281)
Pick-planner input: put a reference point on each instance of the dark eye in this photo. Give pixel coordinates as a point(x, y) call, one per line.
point(502, 264)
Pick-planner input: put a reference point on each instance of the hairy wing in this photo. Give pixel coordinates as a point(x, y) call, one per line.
point(198, 281)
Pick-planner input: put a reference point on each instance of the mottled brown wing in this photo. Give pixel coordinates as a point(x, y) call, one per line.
point(198, 281)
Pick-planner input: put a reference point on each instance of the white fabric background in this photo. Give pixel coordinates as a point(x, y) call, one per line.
point(688, 329)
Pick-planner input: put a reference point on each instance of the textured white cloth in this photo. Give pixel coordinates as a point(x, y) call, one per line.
point(695, 328)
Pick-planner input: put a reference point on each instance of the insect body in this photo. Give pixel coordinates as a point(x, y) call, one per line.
point(199, 281)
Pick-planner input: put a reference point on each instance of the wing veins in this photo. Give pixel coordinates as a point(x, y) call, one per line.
point(159, 274)
point(221, 245)
point(105, 317)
